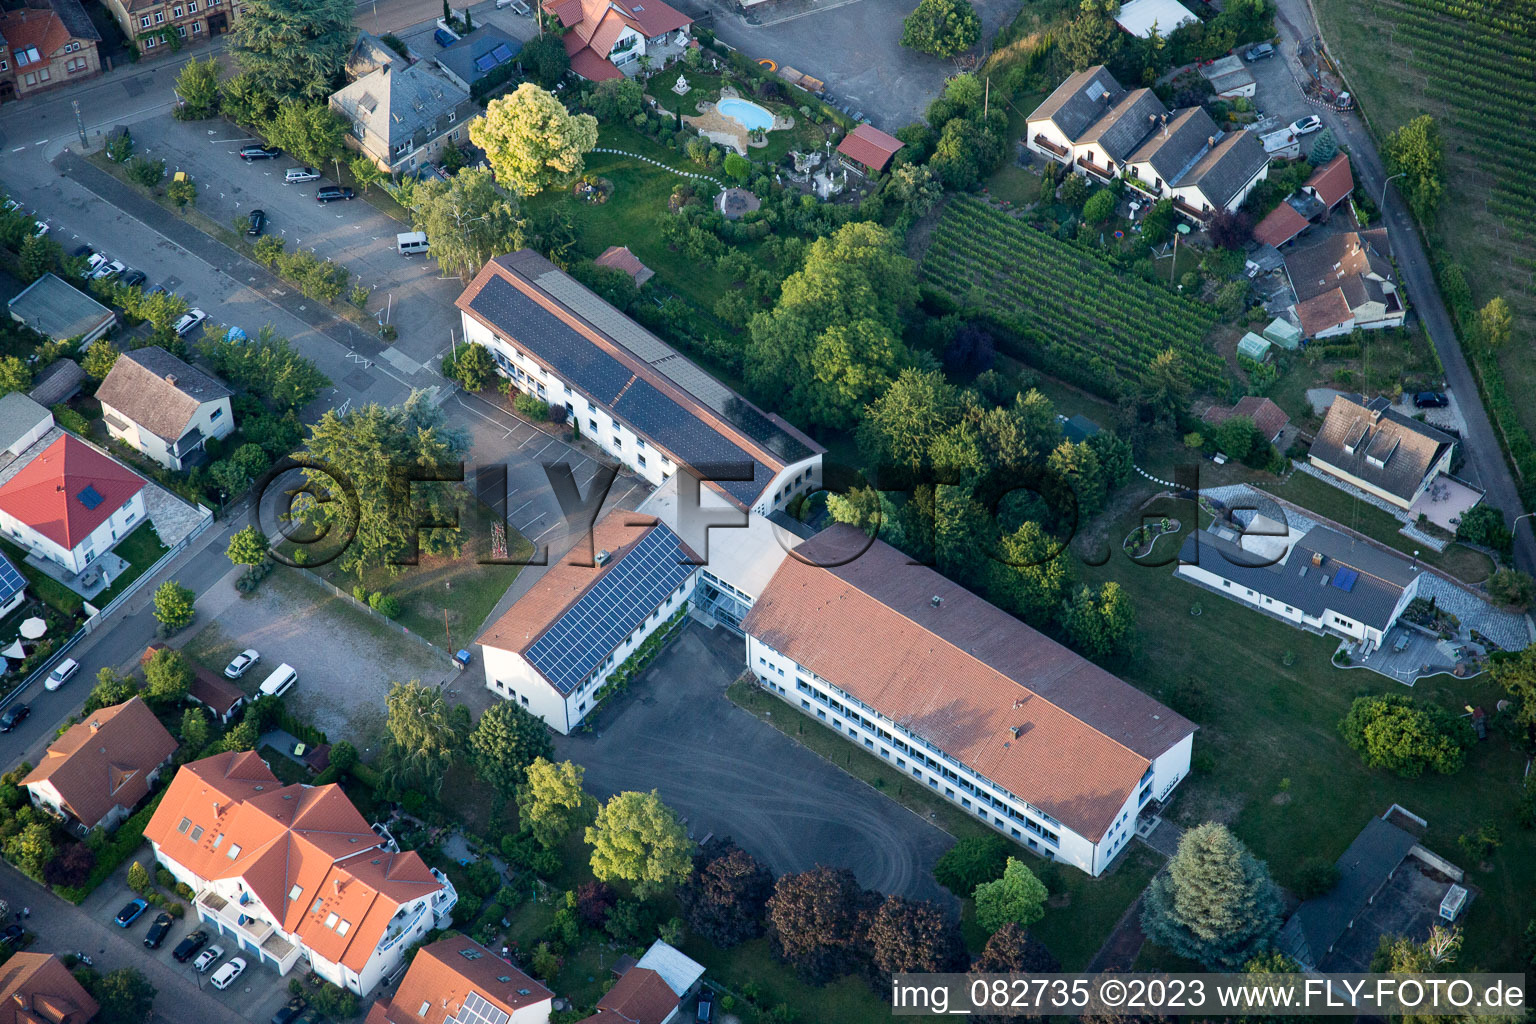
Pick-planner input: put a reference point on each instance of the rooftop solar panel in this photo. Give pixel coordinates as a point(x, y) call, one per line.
point(11, 581)
point(619, 601)
point(90, 497)
point(485, 62)
point(502, 53)
point(1345, 579)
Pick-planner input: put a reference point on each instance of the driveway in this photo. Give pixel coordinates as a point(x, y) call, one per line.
point(730, 774)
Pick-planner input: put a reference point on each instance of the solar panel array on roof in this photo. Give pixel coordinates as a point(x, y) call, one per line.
point(11, 581)
point(90, 497)
point(484, 62)
point(609, 382)
point(1345, 579)
point(618, 602)
point(478, 1010)
point(502, 53)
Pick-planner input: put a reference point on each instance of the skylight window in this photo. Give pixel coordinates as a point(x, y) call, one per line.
point(331, 919)
point(186, 823)
point(343, 926)
point(295, 892)
point(234, 850)
point(90, 497)
point(197, 833)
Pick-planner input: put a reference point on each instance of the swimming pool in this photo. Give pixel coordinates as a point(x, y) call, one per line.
point(749, 114)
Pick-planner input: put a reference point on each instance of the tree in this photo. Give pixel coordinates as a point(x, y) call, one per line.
point(174, 605)
point(737, 167)
point(1012, 950)
point(138, 877)
point(31, 849)
point(1483, 524)
point(505, 742)
point(423, 737)
point(1517, 674)
point(198, 88)
point(726, 896)
point(1238, 437)
point(248, 99)
point(617, 99)
point(125, 995)
point(196, 733)
point(244, 464)
point(242, 736)
point(915, 187)
point(1090, 38)
point(1395, 732)
point(248, 547)
point(941, 27)
point(39, 255)
point(1416, 151)
point(1324, 148)
point(1215, 903)
point(268, 367)
point(71, 867)
point(146, 172)
point(544, 58)
point(1512, 588)
point(818, 923)
point(1075, 467)
point(111, 689)
point(551, 803)
point(310, 132)
point(594, 901)
point(972, 861)
point(167, 676)
point(1018, 898)
point(1495, 321)
point(1230, 229)
point(183, 193)
point(296, 48)
point(374, 449)
point(471, 365)
point(913, 936)
point(469, 219)
point(99, 359)
point(638, 839)
point(1100, 207)
point(15, 375)
point(531, 141)
point(1100, 625)
point(1165, 388)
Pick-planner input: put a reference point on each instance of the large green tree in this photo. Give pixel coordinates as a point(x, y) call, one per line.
point(424, 736)
point(468, 218)
point(1101, 625)
point(1216, 902)
point(174, 605)
point(126, 996)
point(310, 132)
point(551, 802)
point(110, 690)
point(167, 676)
point(531, 141)
point(1405, 736)
point(506, 740)
point(247, 547)
point(941, 27)
point(1416, 151)
point(295, 49)
point(197, 86)
point(269, 367)
point(1016, 898)
point(638, 839)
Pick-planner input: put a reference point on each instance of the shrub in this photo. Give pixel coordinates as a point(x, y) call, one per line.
point(1404, 736)
point(531, 407)
point(385, 604)
point(971, 862)
point(360, 593)
point(138, 878)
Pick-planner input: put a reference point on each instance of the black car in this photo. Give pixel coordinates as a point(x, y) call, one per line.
point(187, 947)
point(705, 1012)
point(158, 931)
point(1430, 400)
point(290, 1010)
point(332, 192)
point(249, 153)
point(258, 222)
point(81, 251)
point(13, 716)
point(12, 936)
point(134, 278)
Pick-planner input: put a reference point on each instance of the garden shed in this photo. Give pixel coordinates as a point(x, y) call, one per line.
point(1254, 347)
point(1283, 333)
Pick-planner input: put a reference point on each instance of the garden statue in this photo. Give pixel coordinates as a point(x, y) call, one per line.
point(682, 87)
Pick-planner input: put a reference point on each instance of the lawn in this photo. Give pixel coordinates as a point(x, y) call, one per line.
point(845, 1001)
point(141, 549)
point(1269, 760)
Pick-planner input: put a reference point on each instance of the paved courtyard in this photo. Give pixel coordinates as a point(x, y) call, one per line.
point(731, 774)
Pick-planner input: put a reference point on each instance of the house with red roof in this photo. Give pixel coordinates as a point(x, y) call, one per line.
point(98, 770)
point(1326, 190)
point(292, 874)
point(36, 988)
point(457, 979)
point(606, 38)
point(71, 503)
point(45, 44)
point(868, 150)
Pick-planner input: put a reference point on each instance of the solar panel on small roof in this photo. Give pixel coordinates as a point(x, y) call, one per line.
point(502, 53)
point(11, 581)
point(90, 497)
point(485, 62)
point(1345, 579)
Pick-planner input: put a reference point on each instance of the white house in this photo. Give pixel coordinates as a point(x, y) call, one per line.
point(458, 981)
point(627, 391)
point(606, 38)
point(1035, 741)
point(164, 407)
point(559, 643)
point(293, 876)
point(1372, 446)
point(70, 503)
point(98, 770)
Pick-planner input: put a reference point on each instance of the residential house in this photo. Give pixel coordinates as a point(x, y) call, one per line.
point(1372, 446)
point(58, 383)
point(222, 698)
point(45, 46)
point(606, 38)
point(403, 114)
point(293, 874)
point(61, 312)
point(160, 27)
point(682, 973)
point(70, 503)
point(1325, 191)
point(868, 150)
point(640, 996)
point(1344, 283)
point(1320, 580)
point(1268, 417)
point(98, 770)
point(36, 988)
point(1094, 127)
point(1034, 740)
point(620, 258)
point(164, 407)
point(629, 392)
point(476, 56)
point(458, 981)
point(558, 644)
point(369, 53)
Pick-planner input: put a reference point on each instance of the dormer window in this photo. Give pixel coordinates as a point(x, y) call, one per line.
point(295, 892)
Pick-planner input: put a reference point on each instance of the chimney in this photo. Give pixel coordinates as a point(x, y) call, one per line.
point(1017, 730)
point(95, 724)
point(602, 558)
point(1210, 140)
point(170, 378)
point(1317, 558)
point(936, 600)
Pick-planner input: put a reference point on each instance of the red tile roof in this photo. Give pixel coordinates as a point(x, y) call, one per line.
point(36, 988)
point(641, 996)
point(29, 26)
point(1050, 726)
point(47, 493)
point(652, 17)
point(106, 760)
point(568, 11)
point(1333, 182)
point(1266, 415)
point(286, 837)
point(589, 65)
point(1281, 225)
point(620, 258)
point(870, 146)
point(208, 688)
point(443, 976)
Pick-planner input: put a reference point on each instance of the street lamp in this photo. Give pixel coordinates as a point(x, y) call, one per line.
point(1383, 202)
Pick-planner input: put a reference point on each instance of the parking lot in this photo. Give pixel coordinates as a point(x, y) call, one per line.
point(730, 774)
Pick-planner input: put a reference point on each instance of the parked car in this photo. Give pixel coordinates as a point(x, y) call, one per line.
point(190, 322)
point(290, 1010)
point(60, 675)
point(130, 913)
point(1261, 51)
point(40, 228)
point(207, 958)
point(12, 936)
point(134, 279)
point(1307, 125)
point(249, 153)
point(225, 976)
point(296, 175)
point(442, 37)
point(94, 260)
point(158, 289)
point(188, 946)
point(158, 931)
point(13, 716)
point(79, 251)
point(107, 269)
point(705, 1012)
point(333, 192)
point(1431, 400)
point(242, 661)
point(257, 221)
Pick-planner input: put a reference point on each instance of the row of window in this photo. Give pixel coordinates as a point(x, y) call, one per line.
point(158, 18)
point(197, 833)
point(181, 30)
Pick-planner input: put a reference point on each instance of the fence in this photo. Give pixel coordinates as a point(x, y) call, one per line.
point(385, 619)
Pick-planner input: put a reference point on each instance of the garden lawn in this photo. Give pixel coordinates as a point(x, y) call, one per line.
point(1268, 758)
point(845, 1001)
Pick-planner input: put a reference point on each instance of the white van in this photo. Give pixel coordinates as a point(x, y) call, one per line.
point(280, 681)
point(411, 242)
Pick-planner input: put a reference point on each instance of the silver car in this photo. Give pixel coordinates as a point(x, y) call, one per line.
point(242, 661)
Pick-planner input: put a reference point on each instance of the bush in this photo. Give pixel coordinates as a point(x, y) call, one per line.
point(970, 862)
point(387, 605)
point(1404, 736)
point(138, 878)
point(71, 420)
point(531, 407)
point(360, 593)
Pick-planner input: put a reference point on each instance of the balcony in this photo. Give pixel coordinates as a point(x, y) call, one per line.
point(253, 929)
point(1094, 169)
point(1049, 146)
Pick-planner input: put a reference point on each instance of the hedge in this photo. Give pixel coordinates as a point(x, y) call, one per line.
point(123, 844)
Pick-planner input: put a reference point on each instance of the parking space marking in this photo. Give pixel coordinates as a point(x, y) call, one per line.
point(546, 532)
point(541, 451)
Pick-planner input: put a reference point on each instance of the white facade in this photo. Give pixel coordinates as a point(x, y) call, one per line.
point(1148, 180)
point(46, 797)
point(510, 676)
point(1004, 811)
point(212, 419)
point(1439, 466)
point(1368, 316)
point(1328, 620)
point(116, 527)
